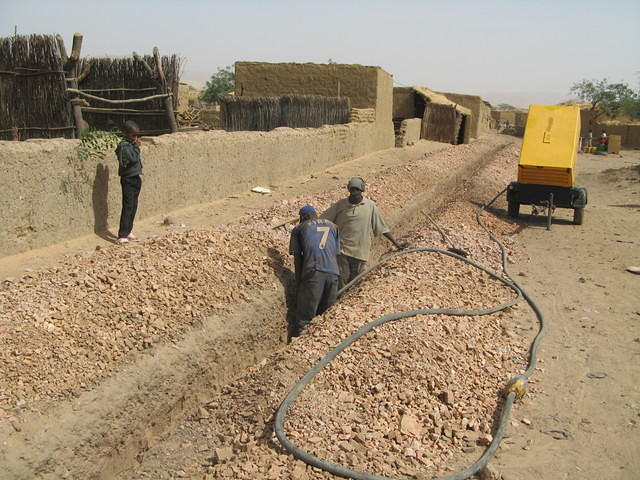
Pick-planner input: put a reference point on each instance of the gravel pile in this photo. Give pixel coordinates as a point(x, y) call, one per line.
point(64, 329)
point(405, 400)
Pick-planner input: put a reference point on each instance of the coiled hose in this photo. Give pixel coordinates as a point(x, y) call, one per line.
point(515, 387)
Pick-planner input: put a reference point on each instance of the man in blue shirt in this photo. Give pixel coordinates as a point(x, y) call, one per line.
point(315, 245)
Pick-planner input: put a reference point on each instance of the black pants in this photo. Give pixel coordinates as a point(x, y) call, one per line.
point(316, 292)
point(130, 190)
point(350, 267)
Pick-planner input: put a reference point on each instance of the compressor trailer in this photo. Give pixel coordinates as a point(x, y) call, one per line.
point(546, 169)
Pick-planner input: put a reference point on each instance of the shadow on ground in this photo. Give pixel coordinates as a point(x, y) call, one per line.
point(287, 278)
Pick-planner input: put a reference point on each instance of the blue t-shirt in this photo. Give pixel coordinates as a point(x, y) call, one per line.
point(318, 243)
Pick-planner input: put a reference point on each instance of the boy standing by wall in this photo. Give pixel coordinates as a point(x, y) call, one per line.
point(130, 171)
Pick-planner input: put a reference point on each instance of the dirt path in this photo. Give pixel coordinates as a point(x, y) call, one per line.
point(584, 427)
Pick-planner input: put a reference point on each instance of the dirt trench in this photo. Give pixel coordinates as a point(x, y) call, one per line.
point(103, 432)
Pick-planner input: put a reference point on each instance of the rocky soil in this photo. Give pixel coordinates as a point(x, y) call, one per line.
point(407, 400)
point(65, 328)
point(401, 400)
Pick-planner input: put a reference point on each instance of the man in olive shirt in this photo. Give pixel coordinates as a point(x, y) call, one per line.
point(359, 221)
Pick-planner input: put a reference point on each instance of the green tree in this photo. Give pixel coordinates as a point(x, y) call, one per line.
point(631, 107)
point(607, 99)
point(221, 82)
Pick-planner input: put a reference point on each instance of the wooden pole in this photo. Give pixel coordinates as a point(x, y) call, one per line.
point(84, 74)
point(161, 77)
point(146, 66)
point(81, 125)
point(75, 52)
point(168, 101)
point(122, 111)
point(70, 65)
point(107, 100)
point(63, 50)
point(168, 105)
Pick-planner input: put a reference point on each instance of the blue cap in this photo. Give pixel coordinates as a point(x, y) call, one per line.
point(306, 211)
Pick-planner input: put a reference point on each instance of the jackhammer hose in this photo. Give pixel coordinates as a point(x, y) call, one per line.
point(515, 387)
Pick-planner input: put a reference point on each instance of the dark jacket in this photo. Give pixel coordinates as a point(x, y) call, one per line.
point(129, 163)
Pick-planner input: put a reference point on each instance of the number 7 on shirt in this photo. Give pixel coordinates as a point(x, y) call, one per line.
point(325, 235)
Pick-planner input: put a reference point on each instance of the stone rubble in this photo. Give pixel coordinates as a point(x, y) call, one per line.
point(403, 401)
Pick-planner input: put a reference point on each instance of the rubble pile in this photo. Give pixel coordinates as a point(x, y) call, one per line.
point(403, 401)
point(433, 380)
point(66, 327)
point(419, 390)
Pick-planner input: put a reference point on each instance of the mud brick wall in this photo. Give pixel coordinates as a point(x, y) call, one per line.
point(409, 132)
point(481, 113)
point(367, 87)
point(362, 115)
point(50, 195)
point(630, 133)
point(211, 117)
point(504, 116)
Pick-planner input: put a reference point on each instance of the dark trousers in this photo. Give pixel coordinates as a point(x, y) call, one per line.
point(316, 292)
point(350, 267)
point(130, 190)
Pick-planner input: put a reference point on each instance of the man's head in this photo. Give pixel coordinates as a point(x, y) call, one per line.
point(130, 129)
point(356, 183)
point(355, 187)
point(307, 213)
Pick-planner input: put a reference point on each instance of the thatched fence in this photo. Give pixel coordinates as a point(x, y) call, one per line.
point(294, 111)
point(129, 79)
point(441, 123)
point(46, 93)
point(32, 89)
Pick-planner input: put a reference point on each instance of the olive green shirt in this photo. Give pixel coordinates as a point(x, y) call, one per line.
point(357, 225)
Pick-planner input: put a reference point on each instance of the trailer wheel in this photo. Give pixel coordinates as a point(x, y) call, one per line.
point(578, 216)
point(513, 209)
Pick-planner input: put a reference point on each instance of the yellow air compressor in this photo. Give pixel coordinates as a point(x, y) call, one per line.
point(546, 170)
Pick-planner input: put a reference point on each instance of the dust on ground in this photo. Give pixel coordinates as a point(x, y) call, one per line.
point(585, 418)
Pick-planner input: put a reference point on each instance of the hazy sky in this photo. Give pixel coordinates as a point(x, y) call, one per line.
point(507, 51)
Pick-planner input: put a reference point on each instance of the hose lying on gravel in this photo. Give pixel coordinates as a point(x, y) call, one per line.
point(515, 387)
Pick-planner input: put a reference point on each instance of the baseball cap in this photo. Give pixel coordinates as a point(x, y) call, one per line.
point(306, 210)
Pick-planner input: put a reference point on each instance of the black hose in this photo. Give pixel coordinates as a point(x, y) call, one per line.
point(511, 394)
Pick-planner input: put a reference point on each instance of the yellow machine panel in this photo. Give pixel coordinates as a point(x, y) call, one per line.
point(550, 146)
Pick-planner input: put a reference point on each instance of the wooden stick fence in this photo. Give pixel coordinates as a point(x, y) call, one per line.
point(295, 111)
point(47, 93)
